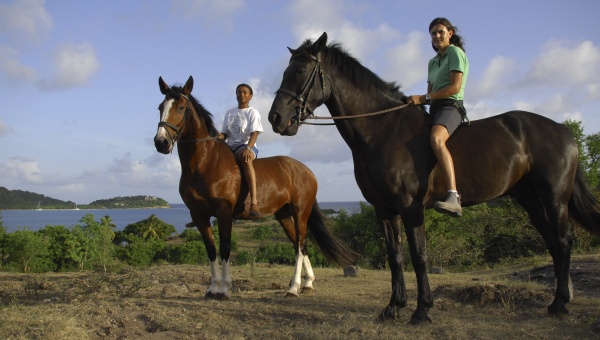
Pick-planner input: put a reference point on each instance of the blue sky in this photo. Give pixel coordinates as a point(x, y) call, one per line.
point(80, 93)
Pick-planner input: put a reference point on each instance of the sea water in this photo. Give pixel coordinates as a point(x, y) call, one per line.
point(178, 215)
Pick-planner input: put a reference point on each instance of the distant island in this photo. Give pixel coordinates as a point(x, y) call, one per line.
point(19, 199)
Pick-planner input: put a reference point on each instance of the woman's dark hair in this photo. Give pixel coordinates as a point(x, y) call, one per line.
point(246, 85)
point(455, 39)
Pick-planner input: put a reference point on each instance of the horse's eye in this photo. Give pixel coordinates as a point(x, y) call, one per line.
point(301, 70)
point(182, 108)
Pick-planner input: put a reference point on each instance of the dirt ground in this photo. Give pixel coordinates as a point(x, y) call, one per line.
point(165, 302)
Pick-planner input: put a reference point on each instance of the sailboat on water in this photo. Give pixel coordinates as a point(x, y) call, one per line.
point(39, 207)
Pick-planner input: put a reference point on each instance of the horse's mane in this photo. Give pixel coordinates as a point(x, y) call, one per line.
point(356, 73)
point(203, 114)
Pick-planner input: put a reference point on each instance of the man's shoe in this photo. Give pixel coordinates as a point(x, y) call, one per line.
point(451, 206)
point(254, 213)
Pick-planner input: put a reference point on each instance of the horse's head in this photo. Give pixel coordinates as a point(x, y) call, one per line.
point(295, 100)
point(174, 112)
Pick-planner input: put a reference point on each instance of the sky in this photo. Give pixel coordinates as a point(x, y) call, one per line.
point(79, 79)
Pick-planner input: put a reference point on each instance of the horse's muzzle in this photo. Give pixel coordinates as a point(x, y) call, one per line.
point(275, 120)
point(163, 145)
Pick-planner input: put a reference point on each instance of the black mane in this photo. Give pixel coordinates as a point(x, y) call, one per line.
point(203, 114)
point(355, 72)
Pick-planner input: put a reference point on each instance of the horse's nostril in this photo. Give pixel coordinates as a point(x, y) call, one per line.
point(274, 118)
point(161, 144)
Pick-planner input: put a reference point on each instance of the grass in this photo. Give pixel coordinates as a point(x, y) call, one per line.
point(165, 302)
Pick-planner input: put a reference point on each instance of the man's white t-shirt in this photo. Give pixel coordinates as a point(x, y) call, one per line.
point(239, 124)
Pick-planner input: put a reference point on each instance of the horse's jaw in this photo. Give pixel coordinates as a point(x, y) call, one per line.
point(283, 127)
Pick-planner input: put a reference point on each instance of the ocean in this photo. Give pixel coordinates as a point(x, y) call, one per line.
point(178, 216)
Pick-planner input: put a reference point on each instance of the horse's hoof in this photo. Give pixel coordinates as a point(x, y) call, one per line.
point(557, 311)
point(307, 290)
point(209, 295)
point(388, 313)
point(221, 296)
point(418, 321)
point(291, 295)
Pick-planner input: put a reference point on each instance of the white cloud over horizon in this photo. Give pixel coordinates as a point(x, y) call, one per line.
point(59, 66)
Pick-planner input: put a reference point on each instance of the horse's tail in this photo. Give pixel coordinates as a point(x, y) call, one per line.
point(334, 249)
point(583, 206)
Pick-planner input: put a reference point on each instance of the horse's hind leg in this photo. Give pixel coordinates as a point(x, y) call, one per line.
point(551, 220)
point(309, 276)
point(289, 226)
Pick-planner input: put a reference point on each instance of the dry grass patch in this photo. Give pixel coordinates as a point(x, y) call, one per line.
point(165, 302)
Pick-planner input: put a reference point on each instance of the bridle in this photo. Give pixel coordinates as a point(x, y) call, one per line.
point(178, 129)
point(300, 115)
point(303, 95)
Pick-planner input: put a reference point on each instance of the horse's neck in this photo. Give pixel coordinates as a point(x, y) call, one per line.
point(357, 130)
point(196, 147)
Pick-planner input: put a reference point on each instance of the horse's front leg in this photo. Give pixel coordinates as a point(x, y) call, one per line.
point(415, 232)
point(225, 226)
point(393, 244)
point(211, 250)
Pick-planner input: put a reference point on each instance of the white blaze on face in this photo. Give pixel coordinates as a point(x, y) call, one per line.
point(164, 115)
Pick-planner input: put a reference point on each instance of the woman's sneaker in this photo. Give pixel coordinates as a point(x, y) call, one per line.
point(451, 206)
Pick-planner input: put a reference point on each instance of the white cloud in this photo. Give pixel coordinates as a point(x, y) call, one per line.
point(309, 23)
point(564, 64)
point(22, 169)
point(24, 20)
point(213, 13)
point(496, 76)
point(11, 68)
point(4, 129)
point(407, 62)
point(75, 64)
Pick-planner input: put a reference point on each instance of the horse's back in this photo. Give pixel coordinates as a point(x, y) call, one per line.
point(286, 171)
point(497, 152)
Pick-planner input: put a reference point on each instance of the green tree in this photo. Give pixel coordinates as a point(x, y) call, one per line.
point(589, 152)
point(139, 251)
point(362, 232)
point(3, 237)
point(152, 227)
point(27, 250)
point(63, 247)
point(592, 144)
point(96, 240)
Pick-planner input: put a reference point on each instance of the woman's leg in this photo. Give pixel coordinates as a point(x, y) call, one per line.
point(451, 206)
point(439, 136)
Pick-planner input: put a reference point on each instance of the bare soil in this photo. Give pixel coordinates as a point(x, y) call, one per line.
point(166, 302)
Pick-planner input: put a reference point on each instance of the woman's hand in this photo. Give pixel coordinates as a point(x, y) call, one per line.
point(416, 100)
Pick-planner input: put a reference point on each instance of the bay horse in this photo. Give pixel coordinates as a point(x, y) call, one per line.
point(520, 154)
point(211, 185)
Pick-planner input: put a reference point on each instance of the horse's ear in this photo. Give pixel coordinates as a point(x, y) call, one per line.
point(189, 85)
point(320, 44)
point(292, 51)
point(164, 88)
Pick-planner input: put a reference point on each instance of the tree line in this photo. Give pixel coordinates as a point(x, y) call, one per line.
point(487, 234)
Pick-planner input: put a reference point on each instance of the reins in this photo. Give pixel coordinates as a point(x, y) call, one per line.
point(179, 129)
point(302, 98)
point(198, 140)
point(351, 117)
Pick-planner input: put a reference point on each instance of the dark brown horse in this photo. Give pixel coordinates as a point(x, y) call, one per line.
point(520, 154)
point(211, 186)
